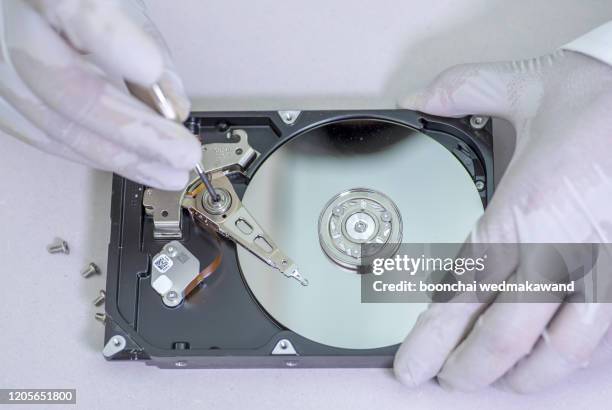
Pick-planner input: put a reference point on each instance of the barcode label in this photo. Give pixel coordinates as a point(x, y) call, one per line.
point(163, 263)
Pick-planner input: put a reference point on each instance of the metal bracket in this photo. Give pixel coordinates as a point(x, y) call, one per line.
point(164, 207)
point(231, 219)
point(115, 345)
point(284, 348)
point(174, 273)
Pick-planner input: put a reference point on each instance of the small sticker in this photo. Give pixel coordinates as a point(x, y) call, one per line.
point(163, 263)
point(162, 284)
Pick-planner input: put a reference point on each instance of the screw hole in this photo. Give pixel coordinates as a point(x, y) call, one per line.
point(164, 213)
point(224, 216)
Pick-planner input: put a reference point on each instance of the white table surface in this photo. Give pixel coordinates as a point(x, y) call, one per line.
point(251, 55)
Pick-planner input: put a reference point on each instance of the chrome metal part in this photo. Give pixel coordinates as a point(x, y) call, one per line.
point(284, 347)
point(114, 345)
point(237, 224)
point(155, 97)
point(220, 206)
point(354, 218)
point(480, 185)
point(173, 272)
point(289, 117)
point(100, 299)
point(478, 122)
point(101, 317)
point(164, 207)
point(58, 246)
point(90, 270)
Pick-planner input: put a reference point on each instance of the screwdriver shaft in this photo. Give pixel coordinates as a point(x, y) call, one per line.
point(211, 190)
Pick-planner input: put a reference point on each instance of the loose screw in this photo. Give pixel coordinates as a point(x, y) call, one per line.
point(100, 299)
point(89, 270)
point(59, 246)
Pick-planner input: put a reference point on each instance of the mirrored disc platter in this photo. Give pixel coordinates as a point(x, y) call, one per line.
point(415, 180)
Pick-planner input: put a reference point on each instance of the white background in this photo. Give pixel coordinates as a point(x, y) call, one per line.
point(252, 55)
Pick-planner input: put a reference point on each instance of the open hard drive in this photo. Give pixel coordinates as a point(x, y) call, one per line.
point(263, 275)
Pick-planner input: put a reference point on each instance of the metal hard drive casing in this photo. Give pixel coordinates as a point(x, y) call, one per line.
point(223, 326)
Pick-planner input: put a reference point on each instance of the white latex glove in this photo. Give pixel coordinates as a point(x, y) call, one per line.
point(557, 188)
point(54, 97)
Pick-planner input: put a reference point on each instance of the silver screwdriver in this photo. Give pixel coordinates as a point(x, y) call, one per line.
point(155, 98)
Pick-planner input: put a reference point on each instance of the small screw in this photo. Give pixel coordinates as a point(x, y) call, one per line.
point(289, 117)
point(172, 296)
point(193, 125)
point(101, 317)
point(116, 341)
point(59, 246)
point(100, 299)
point(480, 185)
point(478, 122)
point(222, 127)
point(89, 270)
point(283, 344)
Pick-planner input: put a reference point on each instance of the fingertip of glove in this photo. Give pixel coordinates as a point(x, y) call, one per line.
point(404, 372)
point(174, 184)
point(404, 376)
point(446, 385)
point(166, 181)
point(186, 151)
point(453, 382)
point(506, 385)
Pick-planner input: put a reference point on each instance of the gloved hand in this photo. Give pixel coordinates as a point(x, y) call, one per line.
point(62, 69)
point(557, 188)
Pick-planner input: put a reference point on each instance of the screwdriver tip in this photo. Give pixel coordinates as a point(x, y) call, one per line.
point(209, 187)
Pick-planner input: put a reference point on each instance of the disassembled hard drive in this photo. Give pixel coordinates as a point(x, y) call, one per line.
point(266, 274)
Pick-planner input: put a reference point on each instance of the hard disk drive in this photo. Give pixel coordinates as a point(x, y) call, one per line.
point(263, 273)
